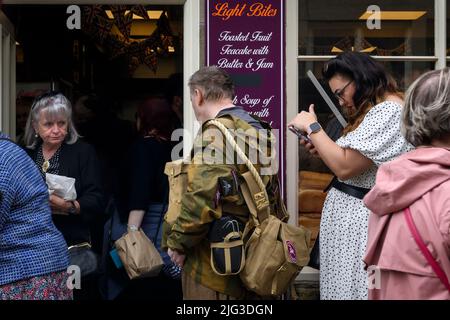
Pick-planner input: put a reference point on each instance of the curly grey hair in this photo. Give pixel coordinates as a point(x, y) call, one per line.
point(426, 115)
point(55, 104)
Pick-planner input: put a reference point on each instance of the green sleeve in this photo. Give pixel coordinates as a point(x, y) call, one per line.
point(199, 206)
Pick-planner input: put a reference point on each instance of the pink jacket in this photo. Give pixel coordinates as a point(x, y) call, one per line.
point(419, 179)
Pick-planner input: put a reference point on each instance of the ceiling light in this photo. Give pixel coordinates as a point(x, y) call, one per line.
point(152, 14)
point(109, 14)
point(393, 15)
point(366, 50)
point(336, 50)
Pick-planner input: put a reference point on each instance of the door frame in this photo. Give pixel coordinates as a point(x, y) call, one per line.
point(7, 77)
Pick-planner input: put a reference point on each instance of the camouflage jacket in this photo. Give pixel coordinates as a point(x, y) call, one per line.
point(196, 204)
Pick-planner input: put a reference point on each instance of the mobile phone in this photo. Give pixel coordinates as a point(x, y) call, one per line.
point(300, 134)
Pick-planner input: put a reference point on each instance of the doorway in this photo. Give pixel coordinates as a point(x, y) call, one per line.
point(7, 75)
point(116, 54)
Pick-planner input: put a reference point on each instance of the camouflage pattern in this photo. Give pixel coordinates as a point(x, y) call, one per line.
point(191, 212)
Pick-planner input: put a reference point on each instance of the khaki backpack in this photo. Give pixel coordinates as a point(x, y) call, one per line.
point(275, 252)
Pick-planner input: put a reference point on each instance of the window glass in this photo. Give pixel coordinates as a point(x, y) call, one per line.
point(328, 27)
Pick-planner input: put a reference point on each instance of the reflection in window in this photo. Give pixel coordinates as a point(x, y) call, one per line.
point(403, 72)
point(329, 27)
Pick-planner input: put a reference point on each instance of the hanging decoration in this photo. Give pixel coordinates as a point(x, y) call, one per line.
point(119, 44)
point(140, 11)
point(399, 51)
point(122, 19)
point(114, 46)
point(103, 29)
point(362, 45)
point(90, 13)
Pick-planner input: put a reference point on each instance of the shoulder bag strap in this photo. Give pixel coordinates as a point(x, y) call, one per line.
point(258, 200)
point(423, 248)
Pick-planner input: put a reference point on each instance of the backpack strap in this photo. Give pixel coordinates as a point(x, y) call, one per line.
point(255, 197)
point(254, 189)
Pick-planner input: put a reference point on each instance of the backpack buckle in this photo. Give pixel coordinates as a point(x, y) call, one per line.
point(260, 201)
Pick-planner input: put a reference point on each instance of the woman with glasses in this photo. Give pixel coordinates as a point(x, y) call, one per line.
point(372, 104)
point(53, 143)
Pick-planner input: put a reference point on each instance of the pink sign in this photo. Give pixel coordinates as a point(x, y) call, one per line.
point(246, 38)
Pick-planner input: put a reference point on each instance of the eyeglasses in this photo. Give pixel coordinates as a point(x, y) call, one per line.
point(339, 93)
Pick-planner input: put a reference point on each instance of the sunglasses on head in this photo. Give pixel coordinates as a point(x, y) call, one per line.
point(48, 94)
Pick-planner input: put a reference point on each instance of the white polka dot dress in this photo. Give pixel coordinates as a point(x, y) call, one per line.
point(343, 227)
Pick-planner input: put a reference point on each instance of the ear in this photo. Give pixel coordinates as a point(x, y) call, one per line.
point(199, 95)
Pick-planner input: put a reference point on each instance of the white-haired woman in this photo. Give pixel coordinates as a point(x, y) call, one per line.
point(52, 142)
point(411, 248)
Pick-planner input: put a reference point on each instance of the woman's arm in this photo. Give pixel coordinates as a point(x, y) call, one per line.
point(345, 163)
point(135, 218)
point(141, 182)
point(59, 205)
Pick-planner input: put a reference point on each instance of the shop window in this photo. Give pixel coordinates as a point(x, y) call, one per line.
point(406, 28)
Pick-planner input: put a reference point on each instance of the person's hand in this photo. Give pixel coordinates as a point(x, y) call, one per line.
point(304, 119)
point(176, 257)
point(58, 204)
point(309, 147)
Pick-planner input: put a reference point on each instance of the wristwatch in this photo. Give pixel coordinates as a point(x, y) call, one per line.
point(313, 128)
point(132, 227)
point(73, 209)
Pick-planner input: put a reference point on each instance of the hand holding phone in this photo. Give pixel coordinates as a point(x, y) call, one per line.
point(300, 134)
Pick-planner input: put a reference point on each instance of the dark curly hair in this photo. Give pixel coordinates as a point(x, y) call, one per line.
point(371, 80)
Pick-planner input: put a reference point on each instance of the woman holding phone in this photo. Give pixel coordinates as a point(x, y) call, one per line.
point(372, 103)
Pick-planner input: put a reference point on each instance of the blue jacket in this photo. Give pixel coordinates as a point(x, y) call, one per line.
point(30, 244)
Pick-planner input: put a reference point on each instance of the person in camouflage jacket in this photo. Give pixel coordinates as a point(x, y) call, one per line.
point(199, 200)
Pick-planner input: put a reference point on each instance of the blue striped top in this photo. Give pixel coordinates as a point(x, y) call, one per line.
point(30, 244)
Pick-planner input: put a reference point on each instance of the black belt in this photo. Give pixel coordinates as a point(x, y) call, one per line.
point(353, 191)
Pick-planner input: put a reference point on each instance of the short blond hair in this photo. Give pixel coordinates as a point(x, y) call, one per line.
point(426, 114)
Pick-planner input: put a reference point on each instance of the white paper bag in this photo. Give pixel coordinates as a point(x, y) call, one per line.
point(61, 186)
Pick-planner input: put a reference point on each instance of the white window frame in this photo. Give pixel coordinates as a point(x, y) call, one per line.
point(7, 77)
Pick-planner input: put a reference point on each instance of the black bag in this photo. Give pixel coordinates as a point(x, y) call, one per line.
point(314, 256)
point(227, 247)
point(84, 257)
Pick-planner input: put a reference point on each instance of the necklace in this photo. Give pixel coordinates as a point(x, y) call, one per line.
point(45, 166)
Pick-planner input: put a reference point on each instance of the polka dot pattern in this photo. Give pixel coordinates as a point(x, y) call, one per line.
point(344, 223)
